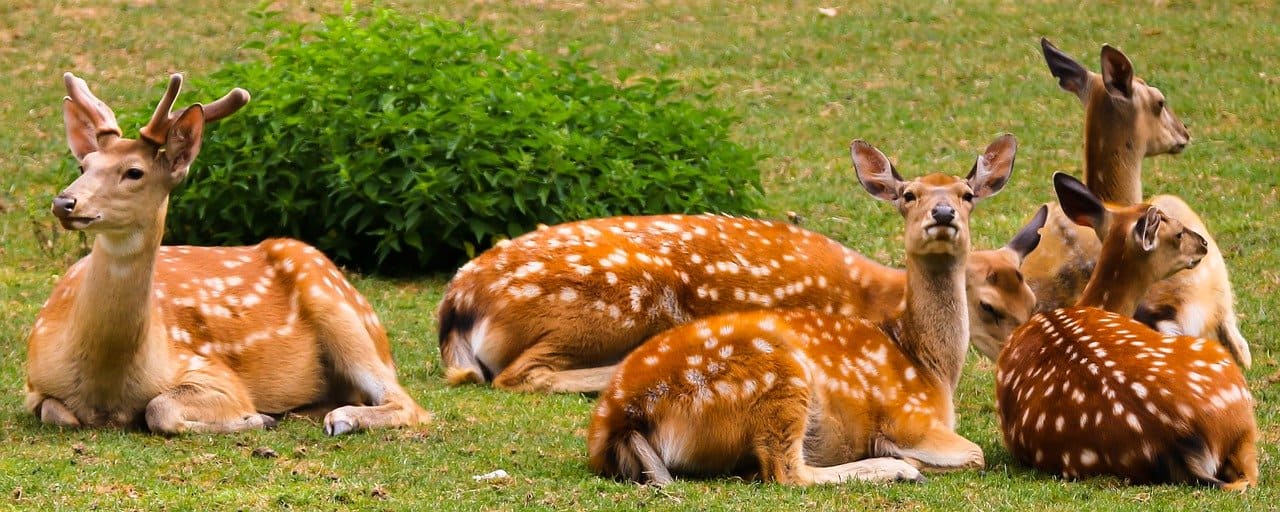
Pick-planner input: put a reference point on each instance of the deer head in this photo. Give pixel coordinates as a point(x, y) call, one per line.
point(124, 183)
point(1148, 238)
point(1118, 97)
point(939, 204)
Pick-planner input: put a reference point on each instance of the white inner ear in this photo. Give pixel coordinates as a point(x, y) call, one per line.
point(1149, 236)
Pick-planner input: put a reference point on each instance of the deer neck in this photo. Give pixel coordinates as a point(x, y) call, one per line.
point(1116, 285)
point(112, 308)
point(934, 328)
point(1112, 155)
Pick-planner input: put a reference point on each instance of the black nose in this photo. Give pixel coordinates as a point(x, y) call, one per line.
point(943, 214)
point(63, 206)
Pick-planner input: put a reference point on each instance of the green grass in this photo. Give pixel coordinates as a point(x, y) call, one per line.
point(928, 84)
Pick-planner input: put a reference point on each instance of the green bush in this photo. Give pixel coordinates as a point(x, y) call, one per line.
point(401, 145)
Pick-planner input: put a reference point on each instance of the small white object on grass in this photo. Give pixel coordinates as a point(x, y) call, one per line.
point(492, 475)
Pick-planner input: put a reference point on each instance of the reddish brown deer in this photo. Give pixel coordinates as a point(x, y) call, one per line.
point(193, 339)
point(802, 396)
point(1125, 121)
point(1087, 391)
point(556, 309)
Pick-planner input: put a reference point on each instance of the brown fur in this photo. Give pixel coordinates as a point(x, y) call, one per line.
point(1086, 390)
point(193, 338)
point(1125, 122)
point(802, 396)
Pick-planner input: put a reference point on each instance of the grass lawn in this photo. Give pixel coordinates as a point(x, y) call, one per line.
point(928, 83)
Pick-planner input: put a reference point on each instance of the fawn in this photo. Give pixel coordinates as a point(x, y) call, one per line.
point(1086, 390)
point(1125, 121)
point(556, 309)
point(802, 396)
point(193, 339)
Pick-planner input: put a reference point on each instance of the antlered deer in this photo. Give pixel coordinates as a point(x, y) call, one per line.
point(801, 396)
point(193, 339)
point(1125, 121)
point(556, 309)
point(1087, 390)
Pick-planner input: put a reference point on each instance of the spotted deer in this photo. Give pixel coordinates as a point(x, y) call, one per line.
point(193, 339)
point(801, 396)
point(1126, 120)
point(556, 309)
point(1086, 390)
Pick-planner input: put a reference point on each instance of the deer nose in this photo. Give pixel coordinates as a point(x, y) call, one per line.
point(63, 206)
point(943, 214)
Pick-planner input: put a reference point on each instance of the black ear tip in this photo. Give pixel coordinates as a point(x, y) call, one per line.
point(1061, 179)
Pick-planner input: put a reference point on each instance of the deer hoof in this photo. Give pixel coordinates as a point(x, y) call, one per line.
point(339, 422)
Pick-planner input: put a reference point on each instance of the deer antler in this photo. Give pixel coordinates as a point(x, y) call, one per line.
point(158, 127)
point(157, 130)
point(100, 115)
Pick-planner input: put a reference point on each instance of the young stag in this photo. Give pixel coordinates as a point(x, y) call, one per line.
point(802, 396)
point(1088, 391)
point(193, 339)
point(556, 309)
point(1126, 120)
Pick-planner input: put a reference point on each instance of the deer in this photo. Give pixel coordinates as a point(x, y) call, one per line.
point(556, 309)
point(802, 396)
point(1126, 120)
point(180, 339)
point(1087, 390)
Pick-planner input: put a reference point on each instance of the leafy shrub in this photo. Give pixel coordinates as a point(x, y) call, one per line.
point(401, 145)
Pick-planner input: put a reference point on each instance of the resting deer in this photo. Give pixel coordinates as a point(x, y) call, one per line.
point(193, 339)
point(1126, 120)
point(801, 396)
point(556, 309)
point(1086, 390)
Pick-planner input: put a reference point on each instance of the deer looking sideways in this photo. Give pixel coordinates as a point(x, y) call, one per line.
point(802, 396)
point(556, 309)
point(1086, 390)
point(1126, 120)
point(193, 339)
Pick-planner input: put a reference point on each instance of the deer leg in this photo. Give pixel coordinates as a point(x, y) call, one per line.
point(779, 446)
point(211, 399)
point(54, 412)
point(539, 369)
point(355, 358)
point(939, 450)
point(1241, 468)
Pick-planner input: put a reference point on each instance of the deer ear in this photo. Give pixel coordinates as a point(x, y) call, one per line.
point(1147, 230)
point(1117, 72)
point(183, 142)
point(1080, 205)
point(874, 171)
point(1029, 236)
point(82, 135)
point(991, 171)
point(1072, 77)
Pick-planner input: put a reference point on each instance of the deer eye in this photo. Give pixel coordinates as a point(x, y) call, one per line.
point(968, 197)
point(133, 173)
point(81, 169)
point(909, 197)
point(988, 310)
point(1160, 106)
